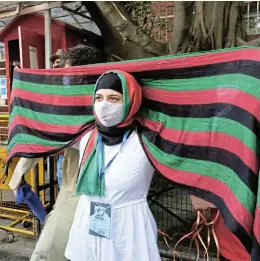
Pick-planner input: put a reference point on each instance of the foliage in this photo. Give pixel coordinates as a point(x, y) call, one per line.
point(143, 15)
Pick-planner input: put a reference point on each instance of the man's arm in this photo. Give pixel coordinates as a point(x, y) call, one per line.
point(21, 168)
point(26, 164)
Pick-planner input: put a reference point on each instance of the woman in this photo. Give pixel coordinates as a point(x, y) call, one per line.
point(112, 221)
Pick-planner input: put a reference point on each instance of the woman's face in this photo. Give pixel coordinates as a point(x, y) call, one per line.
point(109, 107)
point(108, 95)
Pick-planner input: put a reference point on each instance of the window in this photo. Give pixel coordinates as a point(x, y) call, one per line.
point(252, 17)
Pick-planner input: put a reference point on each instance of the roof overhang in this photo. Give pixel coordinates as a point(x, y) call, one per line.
point(73, 13)
point(12, 9)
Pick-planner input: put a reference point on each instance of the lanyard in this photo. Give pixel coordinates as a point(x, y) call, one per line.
point(100, 148)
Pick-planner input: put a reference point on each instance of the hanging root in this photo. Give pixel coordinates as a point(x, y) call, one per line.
point(200, 14)
point(199, 225)
point(232, 25)
point(215, 25)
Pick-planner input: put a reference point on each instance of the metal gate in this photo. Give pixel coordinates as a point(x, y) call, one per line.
point(19, 218)
point(175, 216)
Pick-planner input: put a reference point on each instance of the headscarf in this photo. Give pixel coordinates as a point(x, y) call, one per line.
point(89, 182)
point(111, 136)
point(109, 81)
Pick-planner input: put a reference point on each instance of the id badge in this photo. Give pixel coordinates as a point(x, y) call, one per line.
point(100, 220)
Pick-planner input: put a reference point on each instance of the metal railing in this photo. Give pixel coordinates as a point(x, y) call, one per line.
point(19, 218)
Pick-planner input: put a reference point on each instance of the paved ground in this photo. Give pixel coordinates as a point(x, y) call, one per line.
point(22, 247)
point(20, 250)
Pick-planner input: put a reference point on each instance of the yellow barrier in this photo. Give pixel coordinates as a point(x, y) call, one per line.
point(21, 217)
point(4, 117)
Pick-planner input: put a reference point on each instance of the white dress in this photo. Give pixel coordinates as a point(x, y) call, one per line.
point(134, 231)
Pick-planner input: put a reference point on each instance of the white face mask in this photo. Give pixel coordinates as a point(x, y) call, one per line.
point(109, 114)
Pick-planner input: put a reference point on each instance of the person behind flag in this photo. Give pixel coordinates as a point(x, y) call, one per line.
point(56, 58)
point(54, 236)
point(75, 56)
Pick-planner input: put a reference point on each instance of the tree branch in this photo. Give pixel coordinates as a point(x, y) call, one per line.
point(240, 42)
point(113, 42)
point(255, 42)
point(128, 30)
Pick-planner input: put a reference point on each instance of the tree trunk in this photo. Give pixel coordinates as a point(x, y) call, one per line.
point(198, 26)
point(182, 22)
point(214, 25)
point(114, 44)
point(128, 30)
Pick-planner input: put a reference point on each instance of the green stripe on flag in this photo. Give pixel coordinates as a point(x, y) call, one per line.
point(209, 169)
point(214, 124)
point(125, 95)
point(55, 89)
point(258, 193)
point(30, 139)
point(240, 82)
point(65, 120)
point(80, 189)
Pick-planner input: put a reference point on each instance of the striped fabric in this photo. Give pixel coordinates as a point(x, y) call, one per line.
point(199, 124)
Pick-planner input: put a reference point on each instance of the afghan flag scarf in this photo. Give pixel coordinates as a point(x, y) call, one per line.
point(199, 124)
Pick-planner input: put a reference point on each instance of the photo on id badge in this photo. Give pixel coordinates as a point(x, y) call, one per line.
point(100, 220)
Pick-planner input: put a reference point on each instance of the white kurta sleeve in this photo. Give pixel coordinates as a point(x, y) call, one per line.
point(21, 168)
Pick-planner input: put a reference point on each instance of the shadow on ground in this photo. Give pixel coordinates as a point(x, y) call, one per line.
point(19, 250)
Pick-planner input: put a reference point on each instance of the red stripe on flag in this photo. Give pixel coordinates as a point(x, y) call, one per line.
point(239, 212)
point(52, 99)
point(90, 146)
point(41, 126)
point(32, 148)
point(38, 148)
point(166, 63)
point(207, 139)
point(221, 95)
point(256, 228)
